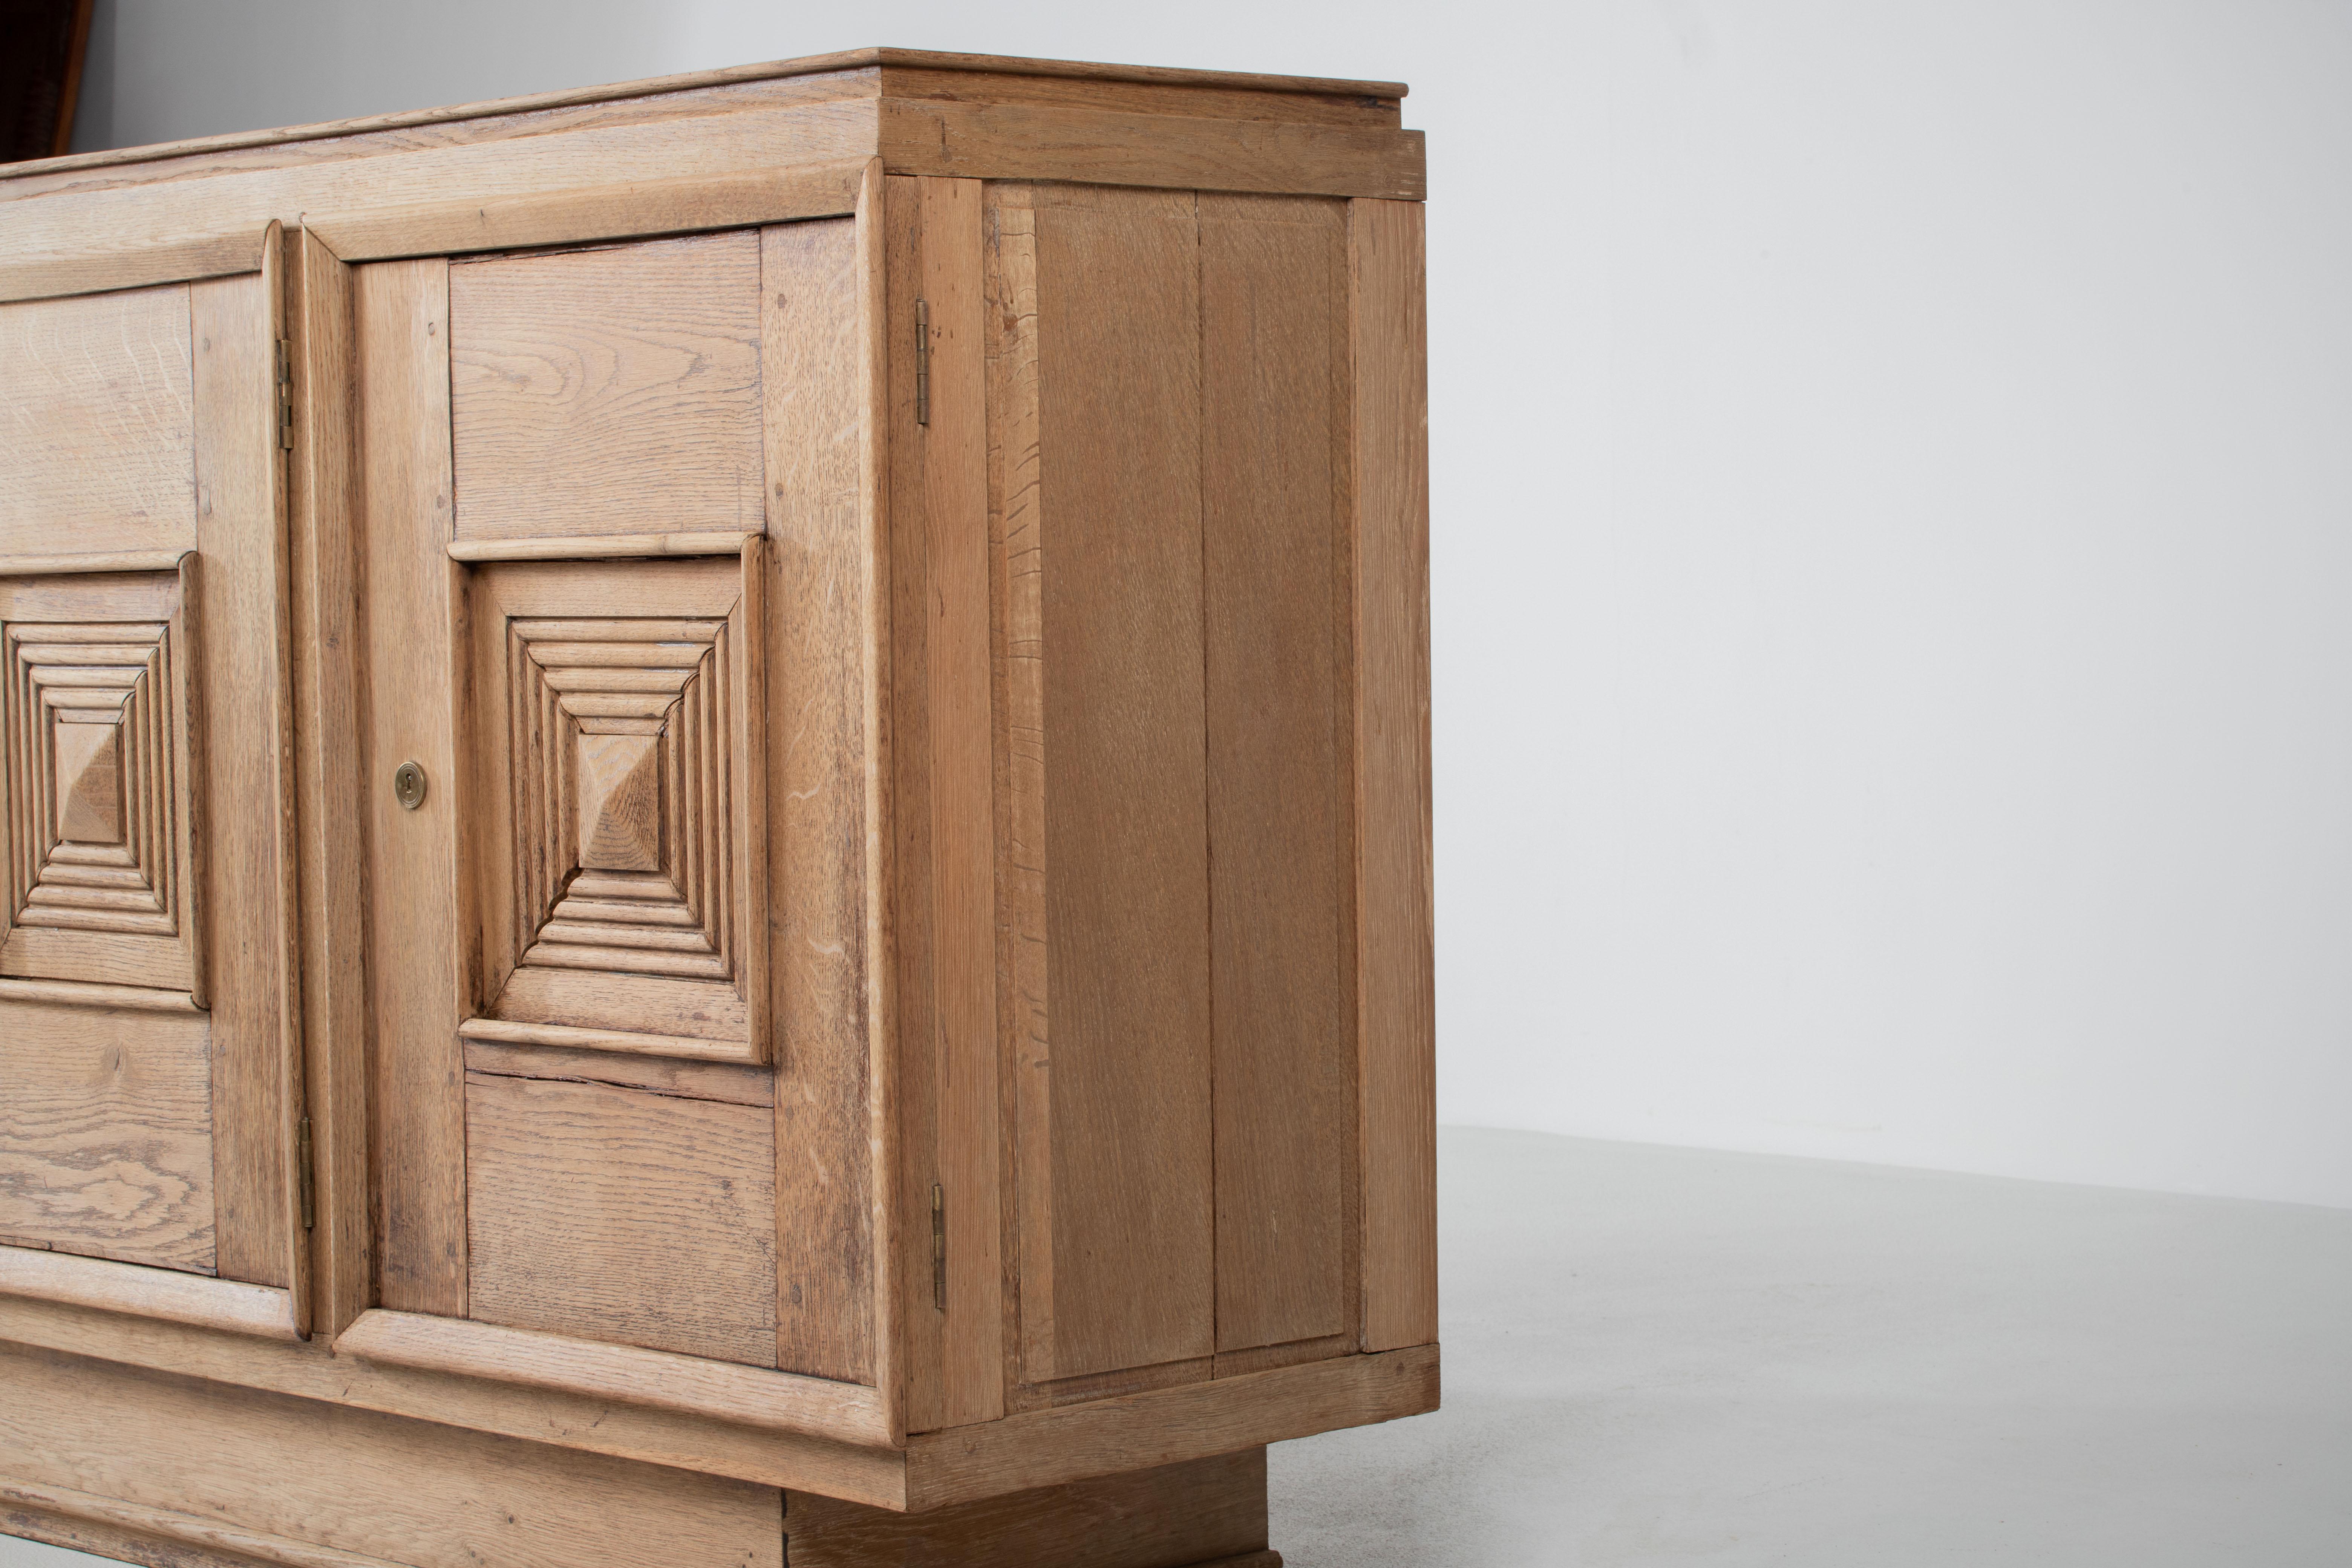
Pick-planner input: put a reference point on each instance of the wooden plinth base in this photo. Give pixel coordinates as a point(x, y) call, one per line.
point(1207, 1511)
point(181, 1472)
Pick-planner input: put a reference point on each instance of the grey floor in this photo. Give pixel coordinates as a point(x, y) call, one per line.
point(1661, 1356)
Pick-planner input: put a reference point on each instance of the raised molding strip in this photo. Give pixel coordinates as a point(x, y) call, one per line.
point(165, 1293)
point(603, 547)
point(108, 561)
point(90, 994)
point(40, 277)
point(749, 1396)
point(133, 1523)
point(635, 210)
point(501, 1031)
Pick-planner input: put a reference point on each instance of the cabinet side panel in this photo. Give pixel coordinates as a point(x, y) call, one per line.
point(349, 1480)
point(400, 319)
point(1273, 326)
point(818, 754)
point(1396, 995)
point(1126, 826)
point(98, 423)
point(245, 708)
point(106, 1134)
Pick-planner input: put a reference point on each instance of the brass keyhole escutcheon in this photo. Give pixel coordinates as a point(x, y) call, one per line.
point(408, 785)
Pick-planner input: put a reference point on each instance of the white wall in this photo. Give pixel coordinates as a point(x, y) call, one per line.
point(1894, 532)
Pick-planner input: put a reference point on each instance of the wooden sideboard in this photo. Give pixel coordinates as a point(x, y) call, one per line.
point(716, 822)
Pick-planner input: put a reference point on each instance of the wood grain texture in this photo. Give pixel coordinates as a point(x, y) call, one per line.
point(247, 708)
point(1364, 104)
point(1166, 1426)
point(56, 275)
point(780, 1400)
point(106, 1134)
point(1010, 267)
point(871, 260)
point(99, 560)
point(1126, 921)
point(98, 420)
point(1273, 474)
point(823, 751)
point(349, 1480)
point(1018, 142)
point(83, 993)
point(621, 1215)
point(554, 1416)
point(854, 71)
point(724, 1081)
point(608, 391)
point(597, 212)
point(1396, 965)
point(416, 1092)
point(323, 549)
point(1184, 1513)
point(154, 1537)
point(169, 1294)
point(953, 517)
point(76, 221)
point(612, 547)
point(913, 1134)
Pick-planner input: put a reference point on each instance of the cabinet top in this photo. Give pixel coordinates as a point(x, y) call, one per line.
point(869, 72)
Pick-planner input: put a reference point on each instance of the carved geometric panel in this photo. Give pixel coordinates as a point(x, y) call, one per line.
point(95, 734)
point(624, 806)
point(619, 878)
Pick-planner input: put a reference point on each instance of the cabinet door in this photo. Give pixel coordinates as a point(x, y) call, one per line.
point(148, 1042)
point(614, 747)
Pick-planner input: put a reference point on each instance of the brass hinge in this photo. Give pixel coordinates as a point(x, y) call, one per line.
point(939, 1247)
point(285, 394)
point(308, 1176)
point(923, 361)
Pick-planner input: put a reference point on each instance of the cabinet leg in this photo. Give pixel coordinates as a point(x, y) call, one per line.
point(1205, 1514)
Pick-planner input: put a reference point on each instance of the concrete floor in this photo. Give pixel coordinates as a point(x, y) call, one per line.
point(1661, 1356)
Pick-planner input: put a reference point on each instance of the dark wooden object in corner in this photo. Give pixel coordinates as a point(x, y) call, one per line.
point(40, 75)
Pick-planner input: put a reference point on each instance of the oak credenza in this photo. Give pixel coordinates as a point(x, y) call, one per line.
point(716, 834)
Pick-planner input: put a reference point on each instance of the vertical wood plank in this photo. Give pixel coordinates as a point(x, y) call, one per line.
point(1273, 365)
point(327, 745)
point(963, 836)
point(1396, 994)
point(242, 654)
point(819, 628)
point(1126, 798)
point(916, 1131)
point(415, 605)
point(1015, 537)
point(874, 480)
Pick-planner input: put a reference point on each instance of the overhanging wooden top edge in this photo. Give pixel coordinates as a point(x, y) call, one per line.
point(867, 59)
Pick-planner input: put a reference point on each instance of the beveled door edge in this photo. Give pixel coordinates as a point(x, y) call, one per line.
point(70, 1280)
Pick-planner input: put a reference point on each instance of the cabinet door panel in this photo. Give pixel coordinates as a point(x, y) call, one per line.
point(580, 569)
point(148, 1046)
